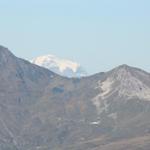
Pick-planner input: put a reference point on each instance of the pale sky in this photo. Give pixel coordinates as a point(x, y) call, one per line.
point(99, 34)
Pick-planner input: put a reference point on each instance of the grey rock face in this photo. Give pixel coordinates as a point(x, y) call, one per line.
point(40, 110)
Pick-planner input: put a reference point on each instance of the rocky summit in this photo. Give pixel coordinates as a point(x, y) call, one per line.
point(40, 110)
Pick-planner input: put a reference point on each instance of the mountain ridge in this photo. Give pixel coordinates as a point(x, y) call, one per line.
point(42, 110)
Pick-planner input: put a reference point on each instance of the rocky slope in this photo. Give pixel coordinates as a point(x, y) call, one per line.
point(40, 110)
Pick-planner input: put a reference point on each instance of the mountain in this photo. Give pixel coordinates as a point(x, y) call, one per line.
point(60, 66)
point(40, 110)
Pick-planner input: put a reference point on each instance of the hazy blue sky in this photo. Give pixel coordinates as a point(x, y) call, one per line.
point(99, 34)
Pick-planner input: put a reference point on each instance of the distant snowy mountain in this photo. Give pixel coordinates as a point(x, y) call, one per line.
point(60, 66)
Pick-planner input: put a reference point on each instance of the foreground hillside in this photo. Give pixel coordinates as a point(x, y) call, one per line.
point(40, 110)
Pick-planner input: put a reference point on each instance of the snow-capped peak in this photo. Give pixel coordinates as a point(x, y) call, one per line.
point(58, 65)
